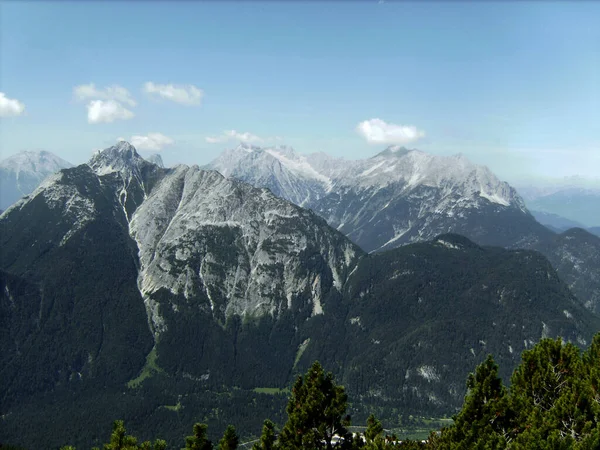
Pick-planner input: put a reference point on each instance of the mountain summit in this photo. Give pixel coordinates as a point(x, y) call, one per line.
point(118, 158)
point(395, 197)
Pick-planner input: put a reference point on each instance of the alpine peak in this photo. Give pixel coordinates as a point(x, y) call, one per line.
point(245, 146)
point(121, 157)
point(395, 151)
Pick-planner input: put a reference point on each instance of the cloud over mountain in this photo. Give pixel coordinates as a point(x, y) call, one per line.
point(152, 141)
point(107, 111)
point(376, 131)
point(105, 105)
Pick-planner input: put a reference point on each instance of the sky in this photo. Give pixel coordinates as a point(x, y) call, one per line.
point(512, 85)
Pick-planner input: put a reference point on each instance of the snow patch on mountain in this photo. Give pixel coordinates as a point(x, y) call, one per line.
point(406, 195)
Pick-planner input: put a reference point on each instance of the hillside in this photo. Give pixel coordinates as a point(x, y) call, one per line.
point(177, 295)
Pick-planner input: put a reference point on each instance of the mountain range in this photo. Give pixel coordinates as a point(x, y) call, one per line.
point(396, 197)
point(401, 196)
point(575, 200)
point(20, 174)
point(159, 295)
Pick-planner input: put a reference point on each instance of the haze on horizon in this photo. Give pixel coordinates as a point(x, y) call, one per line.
point(514, 86)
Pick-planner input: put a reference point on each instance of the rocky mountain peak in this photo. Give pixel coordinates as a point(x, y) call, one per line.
point(394, 151)
point(156, 159)
point(121, 157)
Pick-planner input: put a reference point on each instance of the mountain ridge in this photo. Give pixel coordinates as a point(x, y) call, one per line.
point(21, 173)
point(169, 286)
point(401, 196)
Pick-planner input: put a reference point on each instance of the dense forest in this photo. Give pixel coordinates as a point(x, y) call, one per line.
point(553, 402)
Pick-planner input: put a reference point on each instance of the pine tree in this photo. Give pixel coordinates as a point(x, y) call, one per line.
point(484, 417)
point(551, 393)
point(230, 439)
point(315, 413)
point(199, 440)
point(374, 438)
point(119, 440)
point(267, 438)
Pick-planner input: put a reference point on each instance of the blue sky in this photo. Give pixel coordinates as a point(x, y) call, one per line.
point(512, 85)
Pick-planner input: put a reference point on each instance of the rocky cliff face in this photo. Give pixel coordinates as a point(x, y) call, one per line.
point(234, 248)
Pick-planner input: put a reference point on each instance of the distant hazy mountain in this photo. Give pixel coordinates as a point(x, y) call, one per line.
point(572, 198)
point(581, 205)
point(126, 288)
point(575, 254)
point(396, 197)
point(20, 174)
point(555, 222)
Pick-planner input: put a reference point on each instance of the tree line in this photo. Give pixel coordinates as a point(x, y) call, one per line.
point(553, 402)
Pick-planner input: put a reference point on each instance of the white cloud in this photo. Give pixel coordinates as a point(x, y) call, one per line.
point(185, 94)
point(233, 135)
point(107, 111)
point(10, 106)
point(376, 131)
point(114, 92)
point(153, 141)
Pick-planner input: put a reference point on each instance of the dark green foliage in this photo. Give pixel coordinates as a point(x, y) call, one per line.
point(427, 305)
point(267, 437)
point(552, 403)
point(120, 440)
point(199, 440)
point(316, 410)
point(483, 419)
point(374, 429)
point(582, 278)
point(230, 439)
point(374, 436)
point(421, 305)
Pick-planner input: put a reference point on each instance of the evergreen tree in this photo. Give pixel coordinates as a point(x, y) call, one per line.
point(199, 440)
point(315, 413)
point(267, 438)
point(553, 403)
point(551, 394)
point(230, 439)
point(374, 438)
point(119, 440)
point(484, 418)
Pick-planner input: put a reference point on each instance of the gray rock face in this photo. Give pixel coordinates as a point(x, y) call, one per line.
point(232, 248)
point(397, 197)
point(243, 249)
